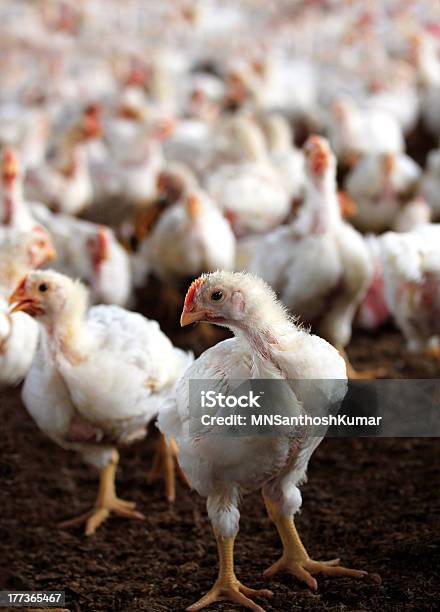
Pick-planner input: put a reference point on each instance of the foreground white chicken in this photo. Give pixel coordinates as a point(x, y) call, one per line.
point(318, 265)
point(19, 253)
point(267, 345)
point(411, 268)
point(90, 252)
point(97, 380)
point(191, 237)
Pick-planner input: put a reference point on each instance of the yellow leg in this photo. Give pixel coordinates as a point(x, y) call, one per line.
point(106, 502)
point(164, 465)
point(354, 374)
point(227, 587)
point(295, 559)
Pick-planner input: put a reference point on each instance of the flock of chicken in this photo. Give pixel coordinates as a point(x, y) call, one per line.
point(161, 140)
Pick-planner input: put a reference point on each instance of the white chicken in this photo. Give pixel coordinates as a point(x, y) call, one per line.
point(373, 311)
point(318, 265)
point(136, 366)
point(191, 237)
point(67, 188)
point(430, 183)
point(424, 55)
point(355, 131)
point(267, 345)
point(14, 211)
point(414, 214)
point(250, 193)
point(286, 158)
point(90, 252)
point(380, 185)
point(411, 266)
point(19, 253)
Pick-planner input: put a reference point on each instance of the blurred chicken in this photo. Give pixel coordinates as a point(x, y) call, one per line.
point(14, 211)
point(318, 265)
point(430, 184)
point(19, 253)
point(267, 345)
point(423, 51)
point(380, 185)
point(90, 252)
point(285, 157)
point(191, 237)
point(250, 192)
point(136, 148)
point(355, 131)
point(67, 187)
point(373, 311)
point(99, 377)
point(411, 265)
point(414, 214)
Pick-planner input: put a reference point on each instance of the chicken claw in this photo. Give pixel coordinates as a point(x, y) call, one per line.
point(295, 559)
point(303, 570)
point(227, 587)
point(235, 592)
point(106, 503)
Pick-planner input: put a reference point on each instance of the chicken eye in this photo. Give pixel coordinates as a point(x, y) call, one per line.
point(43, 287)
point(216, 296)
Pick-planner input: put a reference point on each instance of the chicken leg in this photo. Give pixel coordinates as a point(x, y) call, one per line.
point(295, 559)
point(227, 587)
point(164, 462)
point(106, 502)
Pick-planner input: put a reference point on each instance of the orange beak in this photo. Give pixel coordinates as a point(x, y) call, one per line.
point(23, 303)
point(187, 317)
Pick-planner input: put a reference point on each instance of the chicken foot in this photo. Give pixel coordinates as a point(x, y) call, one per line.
point(106, 502)
point(227, 587)
point(295, 559)
point(164, 464)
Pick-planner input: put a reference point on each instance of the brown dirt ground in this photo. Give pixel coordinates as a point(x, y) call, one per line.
point(372, 502)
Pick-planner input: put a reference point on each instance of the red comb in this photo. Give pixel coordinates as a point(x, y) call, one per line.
point(191, 291)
